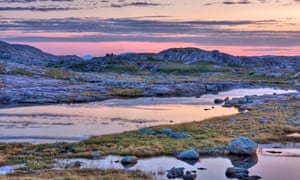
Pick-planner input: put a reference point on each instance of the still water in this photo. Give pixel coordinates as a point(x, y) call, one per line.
point(282, 165)
point(75, 122)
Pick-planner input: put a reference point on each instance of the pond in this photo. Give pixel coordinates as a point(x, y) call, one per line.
point(75, 122)
point(273, 162)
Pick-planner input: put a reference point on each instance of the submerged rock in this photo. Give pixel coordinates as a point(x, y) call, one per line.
point(242, 146)
point(236, 172)
point(190, 154)
point(243, 161)
point(176, 135)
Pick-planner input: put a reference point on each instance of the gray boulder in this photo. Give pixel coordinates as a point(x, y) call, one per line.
point(190, 154)
point(176, 135)
point(242, 146)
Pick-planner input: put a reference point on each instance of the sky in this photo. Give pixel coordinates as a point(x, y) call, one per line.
point(97, 27)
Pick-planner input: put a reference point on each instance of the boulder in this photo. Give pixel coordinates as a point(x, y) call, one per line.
point(146, 131)
point(190, 154)
point(242, 146)
point(166, 131)
point(236, 172)
point(176, 135)
point(129, 160)
point(175, 173)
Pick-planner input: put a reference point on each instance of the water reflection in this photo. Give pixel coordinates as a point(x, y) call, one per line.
point(44, 124)
point(267, 167)
point(243, 161)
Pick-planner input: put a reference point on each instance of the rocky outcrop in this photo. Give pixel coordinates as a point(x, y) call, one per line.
point(29, 55)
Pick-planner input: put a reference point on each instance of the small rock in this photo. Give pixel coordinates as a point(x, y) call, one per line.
point(236, 172)
point(190, 154)
point(296, 76)
point(202, 168)
point(291, 119)
point(242, 146)
point(274, 74)
point(76, 164)
point(242, 100)
point(175, 135)
point(262, 120)
point(166, 131)
point(146, 131)
point(95, 154)
point(129, 160)
point(231, 120)
point(297, 96)
point(189, 176)
point(218, 101)
point(296, 123)
point(175, 173)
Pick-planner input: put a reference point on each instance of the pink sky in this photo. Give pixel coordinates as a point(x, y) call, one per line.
point(238, 27)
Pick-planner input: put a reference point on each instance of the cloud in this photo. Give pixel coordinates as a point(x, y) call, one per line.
point(37, 8)
point(237, 2)
point(142, 30)
point(135, 4)
point(30, 1)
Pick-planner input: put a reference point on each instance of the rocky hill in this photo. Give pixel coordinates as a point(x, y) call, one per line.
point(28, 55)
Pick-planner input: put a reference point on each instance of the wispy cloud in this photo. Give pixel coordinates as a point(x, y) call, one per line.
point(141, 30)
point(134, 4)
point(50, 8)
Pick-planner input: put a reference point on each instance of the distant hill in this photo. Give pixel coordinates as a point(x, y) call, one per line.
point(29, 55)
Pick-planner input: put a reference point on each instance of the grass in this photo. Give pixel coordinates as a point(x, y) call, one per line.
point(179, 68)
point(57, 74)
point(80, 174)
point(125, 92)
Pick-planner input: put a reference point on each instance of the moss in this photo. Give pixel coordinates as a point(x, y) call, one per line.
point(20, 71)
point(126, 92)
point(57, 74)
point(78, 174)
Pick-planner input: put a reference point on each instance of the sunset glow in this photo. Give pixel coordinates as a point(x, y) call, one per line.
point(239, 27)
